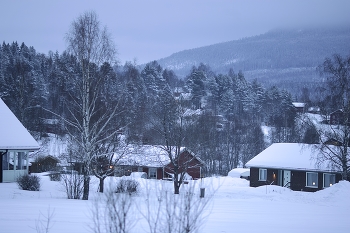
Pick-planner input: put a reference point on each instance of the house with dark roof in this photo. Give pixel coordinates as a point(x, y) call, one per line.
point(292, 165)
point(15, 145)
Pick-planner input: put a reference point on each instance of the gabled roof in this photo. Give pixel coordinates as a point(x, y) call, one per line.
point(147, 156)
point(337, 111)
point(13, 135)
point(289, 156)
point(143, 156)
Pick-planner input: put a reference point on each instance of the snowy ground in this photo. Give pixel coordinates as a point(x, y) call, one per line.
point(234, 207)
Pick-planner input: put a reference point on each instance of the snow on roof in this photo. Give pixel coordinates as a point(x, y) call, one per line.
point(191, 112)
point(298, 105)
point(14, 136)
point(53, 145)
point(292, 156)
point(186, 96)
point(146, 156)
point(336, 111)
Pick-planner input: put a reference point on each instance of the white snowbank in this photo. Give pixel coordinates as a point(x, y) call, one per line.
point(239, 172)
point(233, 206)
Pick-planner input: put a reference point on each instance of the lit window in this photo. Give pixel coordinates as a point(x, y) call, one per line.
point(328, 180)
point(262, 174)
point(312, 179)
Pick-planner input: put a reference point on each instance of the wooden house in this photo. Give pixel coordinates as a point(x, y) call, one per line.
point(299, 107)
point(337, 117)
point(292, 165)
point(189, 163)
point(44, 164)
point(314, 110)
point(15, 145)
point(155, 162)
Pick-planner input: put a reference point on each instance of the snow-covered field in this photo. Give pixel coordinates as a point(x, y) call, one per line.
point(234, 207)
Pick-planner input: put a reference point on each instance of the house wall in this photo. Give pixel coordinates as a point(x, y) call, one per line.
point(1, 177)
point(159, 173)
point(297, 183)
point(14, 164)
point(194, 172)
point(125, 170)
point(46, 164)
point(193, 167)
point(272, 176)
point(336, 117)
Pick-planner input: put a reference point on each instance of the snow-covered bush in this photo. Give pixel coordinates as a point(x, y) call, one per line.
point(55, 176)
point(113, 212)
point(29, 182)
point(127, 186)
point(167, 212)
point(73, 185)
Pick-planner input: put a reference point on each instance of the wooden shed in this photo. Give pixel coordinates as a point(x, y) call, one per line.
point(44, 164)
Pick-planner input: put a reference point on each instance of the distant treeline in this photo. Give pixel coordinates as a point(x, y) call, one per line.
point(225, 110)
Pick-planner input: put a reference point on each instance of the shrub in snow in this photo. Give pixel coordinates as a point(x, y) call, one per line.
point(29, 182)
point(127, 186)
point(73, 185)
point(113, 213)
point(168, 212)
point(55, 176)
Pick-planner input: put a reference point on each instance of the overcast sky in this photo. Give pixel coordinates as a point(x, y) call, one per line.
point(148, 29)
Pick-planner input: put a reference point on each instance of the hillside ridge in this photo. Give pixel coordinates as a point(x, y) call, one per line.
point(276, 50)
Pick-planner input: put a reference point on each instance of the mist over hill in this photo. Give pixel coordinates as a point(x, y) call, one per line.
point(277, 57)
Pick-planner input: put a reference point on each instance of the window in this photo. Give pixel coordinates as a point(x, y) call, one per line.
point(21, 163)
point(262, 174)
point(312, 179)
point(8, 161)
point(152, 173)
point(328, 180)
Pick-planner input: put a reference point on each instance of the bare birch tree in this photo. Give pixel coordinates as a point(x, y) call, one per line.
point(90, 118)
point(335, 136)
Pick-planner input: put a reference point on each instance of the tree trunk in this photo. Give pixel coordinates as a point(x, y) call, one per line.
point(101, 185)
point(345, 171)
point(86, 186)
point(176, 187)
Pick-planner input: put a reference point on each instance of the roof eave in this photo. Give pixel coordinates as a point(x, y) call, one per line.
point(293, 168)
point(22, 148)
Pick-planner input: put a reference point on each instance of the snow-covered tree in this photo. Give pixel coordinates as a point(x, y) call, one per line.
point(335, 137)
point(196, 85)
point(90, 117)
point(169, 123)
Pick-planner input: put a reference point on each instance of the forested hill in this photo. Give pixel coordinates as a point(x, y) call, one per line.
point(277, 50)
point(219, 116)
